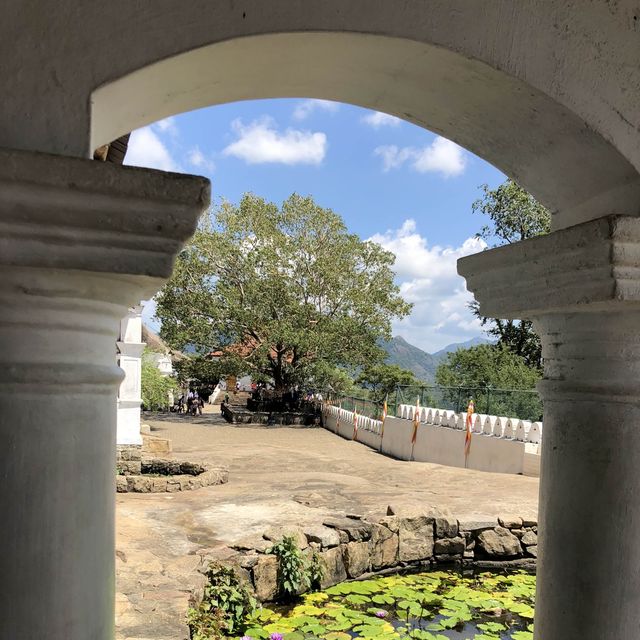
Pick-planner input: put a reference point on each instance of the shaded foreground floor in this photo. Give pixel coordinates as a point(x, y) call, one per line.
point(277, 477)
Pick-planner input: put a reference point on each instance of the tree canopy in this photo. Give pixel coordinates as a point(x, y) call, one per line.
point(514, 215)
point(489, 366)
point(283, 293)
point(155, 386)
point(382, 379)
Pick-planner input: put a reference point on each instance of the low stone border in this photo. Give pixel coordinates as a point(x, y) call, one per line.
point(242, 415)
point(354, 548)
point(159, 475)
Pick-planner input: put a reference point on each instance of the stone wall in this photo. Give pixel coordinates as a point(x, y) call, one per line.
point(128, 459)
point(499, 444)
point(158, 475)
point(353, 548)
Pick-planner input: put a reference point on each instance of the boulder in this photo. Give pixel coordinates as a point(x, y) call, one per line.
point(249, 561)
point(356, 530)
point(275, 534)
point(265, 578)
point(324, 536)
point(499, 542)
point(415, 538)
point(383, 547)
point(475, 526)
point(446, 527)
point(533, 551)
point(251, 543)
point(510, 522)
point(529, 539)
point(356, 558)
point(333, 565)
point(449, 546)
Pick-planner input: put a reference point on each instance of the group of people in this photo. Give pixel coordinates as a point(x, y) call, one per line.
point(192, 404)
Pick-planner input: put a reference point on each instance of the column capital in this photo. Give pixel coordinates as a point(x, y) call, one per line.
point(69, 213)
point(80, 242)
point(587, 267)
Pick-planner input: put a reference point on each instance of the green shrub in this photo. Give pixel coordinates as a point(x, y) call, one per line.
point(315, 571)
point(296, 573)
point(292, 574)
point(225, 605)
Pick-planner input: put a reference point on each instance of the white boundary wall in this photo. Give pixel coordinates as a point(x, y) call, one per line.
point(499, 444)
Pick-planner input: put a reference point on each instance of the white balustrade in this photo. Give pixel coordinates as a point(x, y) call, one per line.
point(489, 424)
point(535, 433)
point(509, 428)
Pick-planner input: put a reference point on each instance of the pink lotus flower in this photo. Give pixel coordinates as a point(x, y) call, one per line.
point(381, 614)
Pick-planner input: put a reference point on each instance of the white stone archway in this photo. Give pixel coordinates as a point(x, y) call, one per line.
point(548, 91)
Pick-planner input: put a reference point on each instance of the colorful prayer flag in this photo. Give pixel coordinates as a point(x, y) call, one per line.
point(469, 426)
point(416, 421)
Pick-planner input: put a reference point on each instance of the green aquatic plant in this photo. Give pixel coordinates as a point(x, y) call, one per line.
point(426, 606)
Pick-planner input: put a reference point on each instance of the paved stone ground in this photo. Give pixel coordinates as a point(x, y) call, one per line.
point(277, 476)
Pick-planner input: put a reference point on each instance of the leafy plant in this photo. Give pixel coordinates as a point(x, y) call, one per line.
point(293, 576)
point(225, 607)
point(315, 571)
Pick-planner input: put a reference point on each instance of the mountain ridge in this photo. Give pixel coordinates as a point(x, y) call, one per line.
point(422, 364)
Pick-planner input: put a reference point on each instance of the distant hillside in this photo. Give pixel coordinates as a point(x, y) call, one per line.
point(439, 355)
point(423, 365)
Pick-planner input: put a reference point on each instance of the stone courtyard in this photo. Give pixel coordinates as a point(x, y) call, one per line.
point(278, 477)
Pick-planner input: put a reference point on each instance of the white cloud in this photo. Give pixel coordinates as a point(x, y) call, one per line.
point(167, 125)
point(305, 108)
point(428, 278)
point(146, 149)
point(441, 156)
point(197, 159)
point(261, 142)
point(377, 119)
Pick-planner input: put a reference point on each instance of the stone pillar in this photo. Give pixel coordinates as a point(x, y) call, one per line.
point(581, 286)
point(80, 242)
point(130, 347)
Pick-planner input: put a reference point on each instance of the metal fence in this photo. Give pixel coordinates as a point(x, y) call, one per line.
point(524, 404)
point(363, 406)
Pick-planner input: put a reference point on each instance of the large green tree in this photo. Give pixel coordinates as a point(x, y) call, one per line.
point(514, 215)
point(382, 379)
point(283, 292)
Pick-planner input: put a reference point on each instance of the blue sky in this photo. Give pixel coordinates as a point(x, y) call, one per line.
point(400, 185)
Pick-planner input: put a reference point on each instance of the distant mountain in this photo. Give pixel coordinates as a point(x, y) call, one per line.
point(423, 365)
point(439, 355)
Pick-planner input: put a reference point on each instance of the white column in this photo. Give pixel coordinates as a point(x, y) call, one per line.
point(80, 241)
point(581, 286)
point(130, 348)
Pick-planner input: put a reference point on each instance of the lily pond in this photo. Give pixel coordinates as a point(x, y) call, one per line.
point(426, 606)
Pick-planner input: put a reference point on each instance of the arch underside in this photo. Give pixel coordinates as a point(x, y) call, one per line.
point(520, 130)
